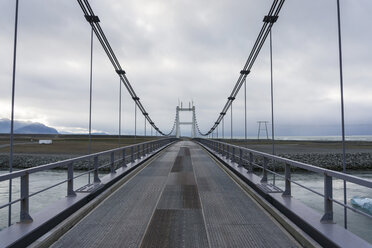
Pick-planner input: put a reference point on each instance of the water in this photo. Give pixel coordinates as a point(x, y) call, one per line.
point(37, 181)
point(358, 224)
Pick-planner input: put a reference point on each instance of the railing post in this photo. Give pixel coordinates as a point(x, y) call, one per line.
point(25, 214)
point(95, 164)
point(227, 151)
point(240, 157)
point(124, 164)
point(223, 149)
point(138, 151)
point(112, 164)
point(328, 204)
point(233, 155)
point(287, 191)
point(143, 150)
point(132, 154)
point(70, 180)
point(250, 164)
point(264, 176)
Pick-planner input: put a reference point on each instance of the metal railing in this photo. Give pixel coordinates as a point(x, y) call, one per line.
point(123, 154)
point(246, 157)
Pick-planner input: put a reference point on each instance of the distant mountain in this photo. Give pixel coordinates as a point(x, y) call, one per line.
point(100, 133)
point(5, 125)
point(36, 128)
point(21, 127)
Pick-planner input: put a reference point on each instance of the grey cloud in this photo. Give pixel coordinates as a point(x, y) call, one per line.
point(187, 50)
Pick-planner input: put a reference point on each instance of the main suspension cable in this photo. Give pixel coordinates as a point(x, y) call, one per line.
point(94, 22)
point(269, 21)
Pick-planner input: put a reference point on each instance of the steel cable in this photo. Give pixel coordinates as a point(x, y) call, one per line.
point(88, 11)
point(266, 27)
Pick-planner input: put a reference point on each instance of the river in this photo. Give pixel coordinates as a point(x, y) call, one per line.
point(37, 181)
point(360, 225)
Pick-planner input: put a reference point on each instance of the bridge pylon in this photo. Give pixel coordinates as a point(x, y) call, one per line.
point(179, 123)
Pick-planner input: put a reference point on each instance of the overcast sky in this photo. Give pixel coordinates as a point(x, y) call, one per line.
point(187, 50)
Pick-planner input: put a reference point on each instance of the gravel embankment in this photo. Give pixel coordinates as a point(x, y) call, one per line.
point(354, 161)
point(25, 161)
point(332, 161)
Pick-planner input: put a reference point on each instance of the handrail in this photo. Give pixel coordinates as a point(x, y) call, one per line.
point(136, 151)
point(229, 151)
point(309, 167)
point(62, 163)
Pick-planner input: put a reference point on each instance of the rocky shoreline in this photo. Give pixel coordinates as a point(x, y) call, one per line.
point(333, 161)
point(25, 161)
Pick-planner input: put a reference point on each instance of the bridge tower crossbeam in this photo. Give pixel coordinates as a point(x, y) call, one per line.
point(179, 123)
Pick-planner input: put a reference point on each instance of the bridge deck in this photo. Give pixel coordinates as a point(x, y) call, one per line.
point(181, 199)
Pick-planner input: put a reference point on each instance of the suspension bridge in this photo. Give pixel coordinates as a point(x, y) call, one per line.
point(179, 192)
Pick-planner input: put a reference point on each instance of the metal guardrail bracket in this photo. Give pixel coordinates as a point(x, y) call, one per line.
point(25, 218)
point(112, 163)
point(25, 214)
point(70, 182)
point(96, 177)
point(287, 191)
point(269, 188)
point(264, 172)
point(250, 164)
point(240, 158)
point(328, 203)
point(124, 164)
point(89, 188)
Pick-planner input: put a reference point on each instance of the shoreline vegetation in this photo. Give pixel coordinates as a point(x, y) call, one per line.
point(326, 154)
